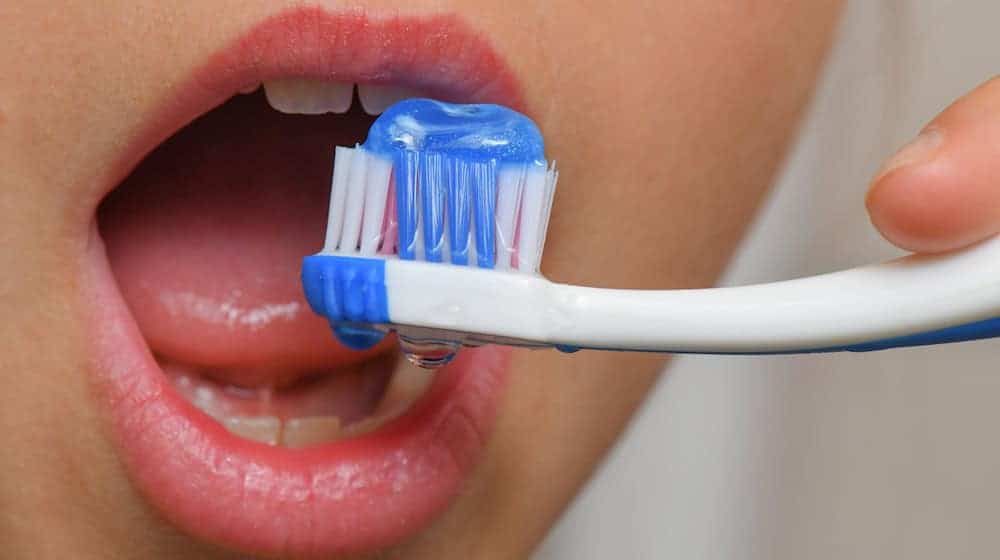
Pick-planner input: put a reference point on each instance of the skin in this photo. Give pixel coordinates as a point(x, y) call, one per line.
point(668, 131)
point(939, 192)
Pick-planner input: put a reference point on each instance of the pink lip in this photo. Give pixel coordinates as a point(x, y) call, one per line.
point(351, 496)
point(438, 55)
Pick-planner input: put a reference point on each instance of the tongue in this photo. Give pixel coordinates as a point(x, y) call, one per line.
point(207, 235)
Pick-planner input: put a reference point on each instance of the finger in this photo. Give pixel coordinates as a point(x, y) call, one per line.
point(942, 191)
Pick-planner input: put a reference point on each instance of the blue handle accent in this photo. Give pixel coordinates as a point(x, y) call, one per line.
point(979, 330)
point(350, 292)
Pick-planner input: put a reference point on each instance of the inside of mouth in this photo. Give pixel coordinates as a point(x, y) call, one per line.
point(325, 407)
point(205, 238)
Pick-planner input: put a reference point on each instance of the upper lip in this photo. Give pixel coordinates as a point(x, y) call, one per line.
point(359, 47)
point(346, 497)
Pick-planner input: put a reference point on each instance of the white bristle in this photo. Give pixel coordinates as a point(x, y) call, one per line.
point(510, 184)
point(354, 203)
point(551, 179)
point(359, 197)
point(338, 191)
point(376, 189)
point(532, 205)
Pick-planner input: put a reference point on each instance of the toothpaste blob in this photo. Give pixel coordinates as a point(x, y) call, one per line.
point(470, 132)
point(460, 185)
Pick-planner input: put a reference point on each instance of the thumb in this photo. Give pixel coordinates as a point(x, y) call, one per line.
point(942, 191)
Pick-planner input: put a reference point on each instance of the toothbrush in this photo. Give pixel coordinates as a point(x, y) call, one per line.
point(436, 230)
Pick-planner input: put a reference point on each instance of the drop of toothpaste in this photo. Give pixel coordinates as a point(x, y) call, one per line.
point(428, 354)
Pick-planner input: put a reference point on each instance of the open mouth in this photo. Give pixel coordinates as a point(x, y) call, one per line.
point(236, 413)
point(205, 239)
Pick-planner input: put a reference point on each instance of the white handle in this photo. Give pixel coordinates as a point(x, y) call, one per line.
point(859, 309)
point(914, 295)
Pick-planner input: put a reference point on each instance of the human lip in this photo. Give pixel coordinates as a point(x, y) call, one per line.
point(438, 55)
point(352, 495)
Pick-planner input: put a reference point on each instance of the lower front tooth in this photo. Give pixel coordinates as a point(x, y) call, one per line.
point(303, 432)
point(264, 429)
point(364, 426)
point(408, 383)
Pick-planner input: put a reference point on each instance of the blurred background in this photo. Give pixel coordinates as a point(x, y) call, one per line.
point(885, 455)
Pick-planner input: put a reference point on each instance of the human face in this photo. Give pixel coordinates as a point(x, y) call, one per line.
point(152, 241)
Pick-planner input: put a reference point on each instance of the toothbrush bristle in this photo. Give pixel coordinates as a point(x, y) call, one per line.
point(440, 208)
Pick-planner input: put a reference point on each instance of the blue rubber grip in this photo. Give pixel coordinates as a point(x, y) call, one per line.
point(350, 292)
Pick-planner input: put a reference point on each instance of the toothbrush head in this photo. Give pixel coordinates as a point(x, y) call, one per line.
point(435, 184)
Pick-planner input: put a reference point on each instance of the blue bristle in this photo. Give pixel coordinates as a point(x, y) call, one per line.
point(433, 193)
point(407, 171)
point(459, 210)
point(424, 137)
point(484, 203)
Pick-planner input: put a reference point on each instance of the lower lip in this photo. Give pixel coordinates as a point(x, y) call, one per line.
point(350, 496)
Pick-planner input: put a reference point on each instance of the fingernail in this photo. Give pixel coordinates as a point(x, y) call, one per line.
point(920, 150)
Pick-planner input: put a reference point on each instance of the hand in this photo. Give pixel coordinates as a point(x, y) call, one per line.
point(942, 191)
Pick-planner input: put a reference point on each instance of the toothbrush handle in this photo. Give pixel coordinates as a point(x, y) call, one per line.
point(916, 300)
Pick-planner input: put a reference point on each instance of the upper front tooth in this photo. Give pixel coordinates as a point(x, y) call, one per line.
point(375, 99)
point(308, 97)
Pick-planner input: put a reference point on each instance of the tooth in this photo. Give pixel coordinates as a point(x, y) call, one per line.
point(196, 390)
point(308, 97)
point(206, 400)
point(375, 99)
point(337, 97)
point(264, 429)
point(303, 432)
point(364, 426)
point(408, 384)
